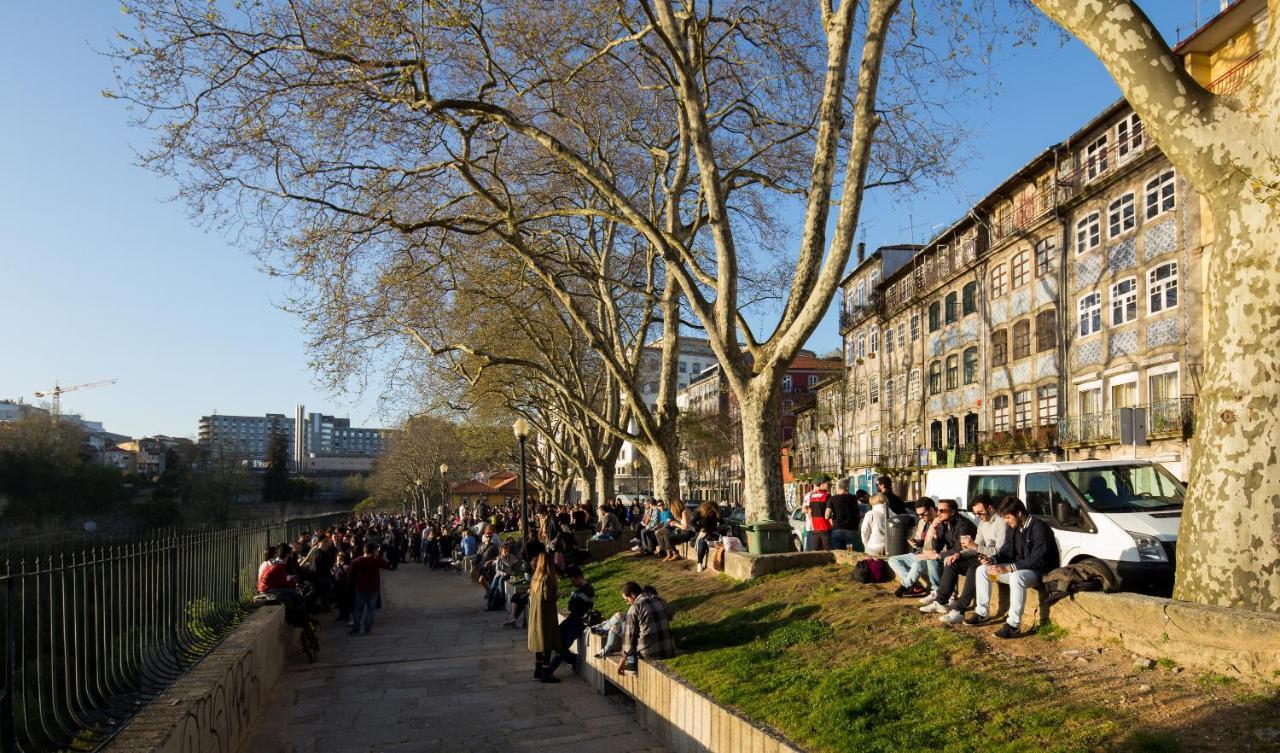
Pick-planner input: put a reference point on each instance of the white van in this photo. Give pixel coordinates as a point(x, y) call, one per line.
point(1122, 512)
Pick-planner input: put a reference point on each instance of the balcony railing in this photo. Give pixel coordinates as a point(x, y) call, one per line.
point(1025, 439)
point(851, 314)
point(1023, 216)
point(1232, 80)
point(1165, 419)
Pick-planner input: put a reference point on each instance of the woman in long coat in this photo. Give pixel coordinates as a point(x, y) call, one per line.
point(544, 623)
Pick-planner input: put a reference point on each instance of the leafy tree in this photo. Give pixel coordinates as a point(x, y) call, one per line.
point(275, 482)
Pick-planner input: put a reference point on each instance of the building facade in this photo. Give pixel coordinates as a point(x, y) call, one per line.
point(311, 437)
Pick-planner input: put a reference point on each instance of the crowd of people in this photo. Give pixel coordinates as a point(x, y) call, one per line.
point(1006, 545)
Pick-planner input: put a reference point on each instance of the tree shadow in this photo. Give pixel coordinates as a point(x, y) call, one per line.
point(740, 627)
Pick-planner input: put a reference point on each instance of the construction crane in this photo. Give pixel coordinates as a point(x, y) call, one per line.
point(58, 390)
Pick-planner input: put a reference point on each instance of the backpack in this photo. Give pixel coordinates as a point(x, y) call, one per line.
point(871, 570)
point(496, 601)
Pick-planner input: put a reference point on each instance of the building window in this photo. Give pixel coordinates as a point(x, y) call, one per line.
point(1090, 314)
point(1160, 194)
point(1162, 288)
point(875, 340)
point(1047, 404)
point(915, 327)
point(1129, 137)
point(1095, 163)
point(813, 380)
point(1000, 413)
point(970, 365)
point(1088, 233)
point(874, 391)
point(953, 372)
point(1046, 330)
point(1090, 401)
point(1121, 217)
point(1021, 339)
point(952, 309)
point(1162, 387)
point(1019, 269)
point(969, 298)
point(786, 382)
point(935, 316)
point(861, 350)
point(999, 281)
point(1124, 301)
point(684, 367)
point(935, 377)
point(888, 392)
point(913, 384)
point(1046, 257)
point(902, 336)
point(935, 435)
point(999, 347)
point(861, 390)
point(1022, 409)
point(888, 341)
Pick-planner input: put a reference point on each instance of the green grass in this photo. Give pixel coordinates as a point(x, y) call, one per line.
point(1166, 663)
point(1051, 631)
point(1214, 680)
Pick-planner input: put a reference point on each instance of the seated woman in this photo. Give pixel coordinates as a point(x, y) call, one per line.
point(708, 526)
point(680, 529)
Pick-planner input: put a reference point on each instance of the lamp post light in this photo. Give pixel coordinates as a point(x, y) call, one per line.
point(636, 465)
point(521, 429)
point(444, 490)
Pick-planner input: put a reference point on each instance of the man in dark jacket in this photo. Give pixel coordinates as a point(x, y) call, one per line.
point(1029, 552)
point(955, 531)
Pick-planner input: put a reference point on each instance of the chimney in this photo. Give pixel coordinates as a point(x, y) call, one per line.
point(862, 252)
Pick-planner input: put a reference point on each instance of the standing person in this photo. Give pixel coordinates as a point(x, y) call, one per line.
point(367, 584)
point(818, 528)
point(544, 632)
point(1029, 551)
point(893, 503)
point(842, 511)
point(343, 590)
point(875, 527)
point(581, 602)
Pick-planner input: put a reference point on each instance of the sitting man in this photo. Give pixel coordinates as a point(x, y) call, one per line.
point(990, 537)
point(912, 565)
point(610, 528)
point(648, 627)
point(955, 533)
point(1028, 553)
point(274, 579)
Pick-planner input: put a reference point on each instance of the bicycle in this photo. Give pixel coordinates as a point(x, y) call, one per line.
point(308, 627)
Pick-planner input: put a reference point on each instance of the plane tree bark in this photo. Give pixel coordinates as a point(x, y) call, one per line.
point(1226, 147)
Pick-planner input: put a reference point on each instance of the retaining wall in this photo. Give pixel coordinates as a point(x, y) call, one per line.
point(212, 708)
point(680, 716)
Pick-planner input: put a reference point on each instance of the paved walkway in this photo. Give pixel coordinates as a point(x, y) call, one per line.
point(436, 674)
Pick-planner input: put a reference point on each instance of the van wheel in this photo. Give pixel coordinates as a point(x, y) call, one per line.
point(795, 543)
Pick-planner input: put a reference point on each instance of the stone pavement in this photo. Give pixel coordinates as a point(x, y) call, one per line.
point(436, 674)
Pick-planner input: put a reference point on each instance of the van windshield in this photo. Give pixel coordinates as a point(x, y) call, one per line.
point(1127, 488)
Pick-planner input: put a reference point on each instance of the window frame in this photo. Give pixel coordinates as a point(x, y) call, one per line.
point(1159, 289)
point(999, 281)
point(1046, 252)
point(1022, 409)
point(1047, 404)
point(1020, 347)
point(951, 308)
point(1046, 322)
point(1122, 215)
point(1083, 315)
point(1127, 300)
point(1000, 413)
point(999, 347)
point(1153, 194)
point(951, 372)
point(1089, 228)
point(969, 298)
point(969, 366)
point(1019, 269)
point(1096, 164)
point(915, 327)
point(935, 377)
point(1130, 137)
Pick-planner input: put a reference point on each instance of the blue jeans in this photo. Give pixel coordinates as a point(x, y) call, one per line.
point(1018, 581)
point(909, 569)
point(842, 538)
point(365, 603)
point(817, 541)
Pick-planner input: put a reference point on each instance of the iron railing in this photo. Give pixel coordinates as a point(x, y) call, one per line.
point(91, 634)
point(1165, 418)
point(1234, 79)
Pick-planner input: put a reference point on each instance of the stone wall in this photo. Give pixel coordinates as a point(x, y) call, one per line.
point(683, 718)
point(213, 707)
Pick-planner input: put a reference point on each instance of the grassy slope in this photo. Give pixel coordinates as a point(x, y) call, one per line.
point(837, 668)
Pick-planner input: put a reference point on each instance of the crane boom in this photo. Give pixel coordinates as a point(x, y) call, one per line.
point(57, 391)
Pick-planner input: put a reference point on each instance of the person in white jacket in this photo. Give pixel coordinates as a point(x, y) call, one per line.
point(875, 526)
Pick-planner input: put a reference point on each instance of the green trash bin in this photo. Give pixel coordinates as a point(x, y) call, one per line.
point(768, 537)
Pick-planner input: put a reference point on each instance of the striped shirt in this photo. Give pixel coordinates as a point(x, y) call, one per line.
point(649, 628)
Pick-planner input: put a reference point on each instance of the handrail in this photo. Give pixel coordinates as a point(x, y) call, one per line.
point(1232, 80)
point(91, 634)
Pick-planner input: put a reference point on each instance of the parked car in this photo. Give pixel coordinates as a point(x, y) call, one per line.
point(1124, 514)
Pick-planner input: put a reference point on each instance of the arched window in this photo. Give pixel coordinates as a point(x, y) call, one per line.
point(970, 365)
point(935, 377)
point(1022, 339)
point(953, 372)
point(952, 310)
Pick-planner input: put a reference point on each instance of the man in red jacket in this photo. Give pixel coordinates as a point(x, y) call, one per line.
point(367, 582)
point(818, 531)
point(274, 578)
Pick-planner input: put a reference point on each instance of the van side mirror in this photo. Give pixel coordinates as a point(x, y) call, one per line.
point(1064, 514)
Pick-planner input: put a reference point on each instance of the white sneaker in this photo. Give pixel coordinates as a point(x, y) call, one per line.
point(934, 608)
point(635, 548)
point(699, 567)
point(931, 598)
point(954, 617)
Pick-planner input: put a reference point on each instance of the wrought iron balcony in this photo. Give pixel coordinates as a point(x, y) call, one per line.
point(1165, 419)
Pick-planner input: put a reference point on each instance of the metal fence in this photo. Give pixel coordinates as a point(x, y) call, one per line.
point(91, 634)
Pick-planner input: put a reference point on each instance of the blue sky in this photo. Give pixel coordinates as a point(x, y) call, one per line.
point(102, 277)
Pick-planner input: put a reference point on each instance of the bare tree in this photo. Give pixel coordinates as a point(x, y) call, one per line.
point(1225, 147)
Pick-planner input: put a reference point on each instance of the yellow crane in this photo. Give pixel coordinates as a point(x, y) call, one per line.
point(56, 393)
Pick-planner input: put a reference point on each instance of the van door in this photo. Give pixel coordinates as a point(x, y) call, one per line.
point(1072, 528)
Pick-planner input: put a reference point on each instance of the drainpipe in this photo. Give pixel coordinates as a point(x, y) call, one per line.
point(1064, 323)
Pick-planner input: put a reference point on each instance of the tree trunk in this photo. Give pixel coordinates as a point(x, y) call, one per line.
point(1229, 546)
point(762, 455)
point(604, 484)
point(664, 463)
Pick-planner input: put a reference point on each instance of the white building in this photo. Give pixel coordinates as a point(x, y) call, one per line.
point(695, 356)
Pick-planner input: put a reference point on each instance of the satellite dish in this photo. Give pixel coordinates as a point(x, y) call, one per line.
point(90, 526)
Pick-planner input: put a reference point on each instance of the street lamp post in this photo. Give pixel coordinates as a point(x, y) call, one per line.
point(417, 482)
point(444, 489)
point(635, 474)
point(521, 429)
